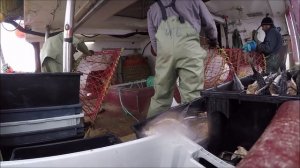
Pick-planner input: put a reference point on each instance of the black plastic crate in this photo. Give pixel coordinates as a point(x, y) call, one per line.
point(236, 118)
point(26, 90)
point(194, 106)
point(36, 137)
point(11, 115)
point(64, 147)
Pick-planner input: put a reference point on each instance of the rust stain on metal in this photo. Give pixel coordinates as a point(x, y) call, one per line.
point(279, 146)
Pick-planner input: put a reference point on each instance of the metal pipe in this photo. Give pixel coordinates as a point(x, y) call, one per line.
point(68, 35)
point(2, 61)
point(89, 14)
point(83, 9)
point(36, 47)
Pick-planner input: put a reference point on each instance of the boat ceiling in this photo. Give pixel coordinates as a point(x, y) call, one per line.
point(124, 16)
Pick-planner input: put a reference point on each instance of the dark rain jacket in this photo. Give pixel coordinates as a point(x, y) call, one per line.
point(272, 42)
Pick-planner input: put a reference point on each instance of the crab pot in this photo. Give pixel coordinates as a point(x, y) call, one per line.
point(236, 118)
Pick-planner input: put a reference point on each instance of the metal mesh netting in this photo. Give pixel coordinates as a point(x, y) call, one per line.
point(220, 63)
point(217, 65)
point(98, 71)
point(217, 68)
point(239, 60)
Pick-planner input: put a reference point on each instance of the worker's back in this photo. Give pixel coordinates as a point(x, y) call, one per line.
point(53, 48)
point(193, 11)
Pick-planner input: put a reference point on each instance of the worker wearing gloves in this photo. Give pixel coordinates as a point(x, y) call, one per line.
point(52, 52)
point(174, 28)
point(271, 45)
point(249, 46)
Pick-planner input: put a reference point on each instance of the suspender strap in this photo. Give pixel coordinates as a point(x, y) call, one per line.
point(181, 19)
point(163, 10)
point(164, 13)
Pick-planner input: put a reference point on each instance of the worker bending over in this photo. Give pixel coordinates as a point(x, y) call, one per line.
point(52, 52)
point(174, 29)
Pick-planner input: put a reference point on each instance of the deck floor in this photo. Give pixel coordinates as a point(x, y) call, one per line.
point(113, 120)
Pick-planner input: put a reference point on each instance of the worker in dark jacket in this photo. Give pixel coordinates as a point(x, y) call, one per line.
point(271, 45)
point(174, 28)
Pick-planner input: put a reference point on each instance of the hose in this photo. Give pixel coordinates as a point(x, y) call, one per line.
point(124, 108)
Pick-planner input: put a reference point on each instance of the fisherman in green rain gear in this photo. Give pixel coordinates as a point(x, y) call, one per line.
point(52, 52)
point(174, 29)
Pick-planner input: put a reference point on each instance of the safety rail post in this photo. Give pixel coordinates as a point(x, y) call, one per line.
point(68, 35)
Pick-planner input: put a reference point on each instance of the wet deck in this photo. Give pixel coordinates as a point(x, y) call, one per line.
point(114, 120)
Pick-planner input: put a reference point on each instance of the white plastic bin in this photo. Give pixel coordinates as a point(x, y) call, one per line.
point(40, 124)
point(154, 151)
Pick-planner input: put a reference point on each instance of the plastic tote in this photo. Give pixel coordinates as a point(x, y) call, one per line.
point(40, 124)
point(64, 147)
point(11, 115)
point(27, 90)
point(153, 151)
point(44, 136)
point(237, 118)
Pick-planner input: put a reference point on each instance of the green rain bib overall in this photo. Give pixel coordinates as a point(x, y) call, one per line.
point(179, 55)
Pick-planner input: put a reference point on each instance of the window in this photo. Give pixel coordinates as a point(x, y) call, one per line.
point(17, 52)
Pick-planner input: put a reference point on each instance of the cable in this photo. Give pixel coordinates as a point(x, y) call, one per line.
point(145, 47)
point(130, 34)
point(7, 29)
point(10, 30)
point(124, 108)
point(90, 36)
point(27, 31)
point(118, 36)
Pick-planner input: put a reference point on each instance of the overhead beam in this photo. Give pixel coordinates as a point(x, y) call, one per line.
point(125, 22)
point(89, 13)
point(84, 9)
point(109, 9)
